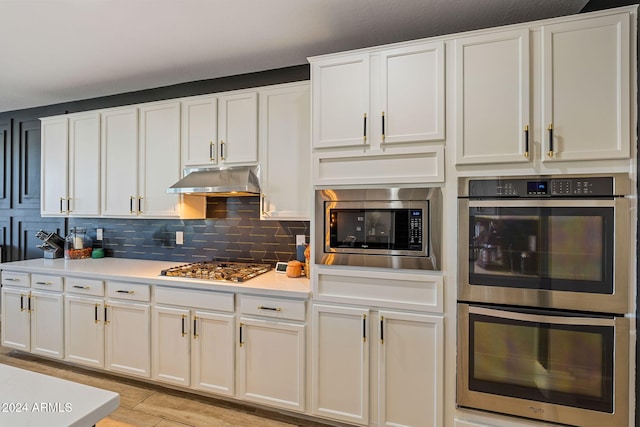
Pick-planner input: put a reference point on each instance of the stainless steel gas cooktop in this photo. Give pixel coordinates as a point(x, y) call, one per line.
point(218, 270)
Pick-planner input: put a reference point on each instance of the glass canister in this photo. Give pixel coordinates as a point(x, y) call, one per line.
point(77, 244)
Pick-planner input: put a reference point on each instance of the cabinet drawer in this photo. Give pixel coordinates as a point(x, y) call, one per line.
point(273, 307)
point(12, 278)
point(77, 285)
point(128, 291)
point(219, 301)
point(46, 282)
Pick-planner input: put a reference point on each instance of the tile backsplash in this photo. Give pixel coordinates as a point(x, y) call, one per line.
point(232, 231)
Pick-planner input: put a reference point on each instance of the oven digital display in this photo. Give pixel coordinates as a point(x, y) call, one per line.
point(537, 187)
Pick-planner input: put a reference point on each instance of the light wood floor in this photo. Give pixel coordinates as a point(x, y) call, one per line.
point(143, 404)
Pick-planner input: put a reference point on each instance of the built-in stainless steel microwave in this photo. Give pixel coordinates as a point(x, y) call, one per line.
point(390, 227)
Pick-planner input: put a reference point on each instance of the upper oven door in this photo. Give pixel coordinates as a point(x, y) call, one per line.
point(569, 254)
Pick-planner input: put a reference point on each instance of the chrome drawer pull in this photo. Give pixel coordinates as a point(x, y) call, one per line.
point(81, 287)
point(44, 283)
point(262, 307)
point(124, 292)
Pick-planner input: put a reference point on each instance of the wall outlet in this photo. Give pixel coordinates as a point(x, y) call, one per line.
point(179, 238)
point(99, 234)
point(300, 239)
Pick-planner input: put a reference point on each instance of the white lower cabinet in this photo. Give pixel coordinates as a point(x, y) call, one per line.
point(84, 330)
point(340, 363)
point(47, 324)
point(16, 318)
point(194, 348)
point(271, 352)
point(409, 349)
point(128, 337)
point(32, 320)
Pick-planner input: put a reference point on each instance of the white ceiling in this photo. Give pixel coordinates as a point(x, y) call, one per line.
point(55, 51)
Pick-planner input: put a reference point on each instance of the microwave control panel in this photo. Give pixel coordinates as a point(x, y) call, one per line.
point(541, 187)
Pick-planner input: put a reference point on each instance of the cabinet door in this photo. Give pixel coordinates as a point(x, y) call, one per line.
point(84, 330)
point(171, 345)
point(119, 162)
point(412, 93)
point(586, 89)
point(340, 365)
point(159, 165)
point(47, 325)
point(285, 153)
point(128, 338)
point(238, 128)
point(199, 131)
point(340, 96)
point(84, 165)
point(213, 352)
point(492, 101)
point(272, 363)
point(410, 358)
point(54, 199)
point(16, 319)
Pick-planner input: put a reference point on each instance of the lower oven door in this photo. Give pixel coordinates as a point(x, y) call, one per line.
point(561, 367)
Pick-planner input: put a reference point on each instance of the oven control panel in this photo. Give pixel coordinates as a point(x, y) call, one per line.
point(541, 187)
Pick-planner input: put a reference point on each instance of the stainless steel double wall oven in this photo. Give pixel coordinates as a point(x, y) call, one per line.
point(544, 285)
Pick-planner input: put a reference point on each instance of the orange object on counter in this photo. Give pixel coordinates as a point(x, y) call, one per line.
point(294, 269)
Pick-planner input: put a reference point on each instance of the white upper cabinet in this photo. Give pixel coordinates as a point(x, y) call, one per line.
point(285, 152)
point(238, 128)
point(395, 95)
point(492, 98)
point(120, 161)
point(159, 161)
point(71, 165)
point(200, 131)
point(54, 166)
point(140, 160)
point(220, 130)
point(586, 89)
point(412, 94)
point(84, 164)
point(580, 82)
point(340, 101)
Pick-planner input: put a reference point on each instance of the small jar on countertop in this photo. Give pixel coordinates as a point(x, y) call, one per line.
point(294, 269)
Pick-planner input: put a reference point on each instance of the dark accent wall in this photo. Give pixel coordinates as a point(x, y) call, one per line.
point(228, 236)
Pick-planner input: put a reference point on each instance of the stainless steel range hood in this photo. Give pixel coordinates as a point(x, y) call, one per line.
point(220, 182)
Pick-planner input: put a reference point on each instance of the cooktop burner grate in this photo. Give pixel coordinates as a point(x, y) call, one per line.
point(218, 270)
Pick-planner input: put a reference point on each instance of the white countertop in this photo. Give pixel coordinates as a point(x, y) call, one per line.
point(32, 399)
point(147, 271)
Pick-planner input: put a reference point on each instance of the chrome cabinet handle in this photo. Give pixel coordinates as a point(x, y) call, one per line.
point(95, 313)
point(81, 287)
point(140, 205)
point(130, 292)
point(383, 126)
point(44, 283)
point(381, 329)
point(221, 150)
point(211, 146)
point(61, 200)
point(241, 342)
point(184, 317)
point(131, 204)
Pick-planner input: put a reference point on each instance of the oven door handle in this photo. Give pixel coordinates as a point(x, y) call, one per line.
point(557, 203)
point(541, 318)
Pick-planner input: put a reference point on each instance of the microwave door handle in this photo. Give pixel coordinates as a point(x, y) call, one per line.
point(526, 317)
